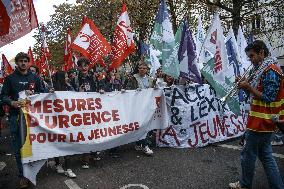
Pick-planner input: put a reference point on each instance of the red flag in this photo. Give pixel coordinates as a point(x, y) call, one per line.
point(6, 67)
point(91, 43)
point(123, 43)
point(5, 11)
point(24, 20)
point(43, 66)
point(67, 50)
point(102, 63)
point(84, 20)
point(30, 53)
point(38, 63)
point(68, 63)
point(45, 54)
point(44, 47)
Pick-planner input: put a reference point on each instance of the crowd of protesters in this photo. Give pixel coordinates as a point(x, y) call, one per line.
point(82, 79)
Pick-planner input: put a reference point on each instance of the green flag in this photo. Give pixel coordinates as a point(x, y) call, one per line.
point(163, 39)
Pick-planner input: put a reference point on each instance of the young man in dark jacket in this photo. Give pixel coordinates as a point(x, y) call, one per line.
point(86, 81)
point(20, 80)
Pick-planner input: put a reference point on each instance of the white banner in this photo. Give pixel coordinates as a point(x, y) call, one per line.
point(198, 118)
point(67, 123)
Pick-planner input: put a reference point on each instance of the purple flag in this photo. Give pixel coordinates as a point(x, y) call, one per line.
point(187, 56)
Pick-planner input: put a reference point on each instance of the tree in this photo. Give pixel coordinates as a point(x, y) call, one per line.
point(240, 12)
point(142, 13)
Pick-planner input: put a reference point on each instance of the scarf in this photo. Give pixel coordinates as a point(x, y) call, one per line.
point(258, 70)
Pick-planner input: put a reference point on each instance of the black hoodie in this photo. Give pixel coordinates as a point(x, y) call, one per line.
point(17, 82)
point(88, 83)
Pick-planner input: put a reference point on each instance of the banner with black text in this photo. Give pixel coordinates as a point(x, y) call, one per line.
point(198, 118)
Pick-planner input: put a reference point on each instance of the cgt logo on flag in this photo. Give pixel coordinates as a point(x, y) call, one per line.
point(84, 38)
point(91, 43)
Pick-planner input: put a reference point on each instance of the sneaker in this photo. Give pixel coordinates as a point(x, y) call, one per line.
point(96, 156)
point(85, 166)
point(69, 173)
point(235, 185)
point(59, 169)
point(275, 143)
point(145, 149)
point(24, 183)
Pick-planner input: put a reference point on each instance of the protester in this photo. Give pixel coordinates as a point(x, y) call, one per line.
point(170, 81)
point(141, 81)
point(86, 83)
point(60, 84)
point(115, 81)
point(34, 69)
point(265, 87)
point(20, 80)
point(102, 81)
point(108, 83)
point(48, 82)
point(73, 79)
point(160, 79)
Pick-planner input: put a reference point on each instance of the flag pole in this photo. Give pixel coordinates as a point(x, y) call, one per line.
point(49, 72)
point(46, 61)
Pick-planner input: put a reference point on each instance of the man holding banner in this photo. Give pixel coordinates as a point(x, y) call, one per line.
point(266, 91)
point(85, 83)
point(20, 80)
point(141, 81)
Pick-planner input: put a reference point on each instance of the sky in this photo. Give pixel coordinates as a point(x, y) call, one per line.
point(22, 44)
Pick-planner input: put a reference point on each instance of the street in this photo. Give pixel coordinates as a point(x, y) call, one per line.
point(211, 167)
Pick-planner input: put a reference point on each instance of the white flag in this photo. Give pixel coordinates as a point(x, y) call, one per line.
point(215, 44)
point(154, 60)
point(242, 44)
point(202, 55)
point(234, 58)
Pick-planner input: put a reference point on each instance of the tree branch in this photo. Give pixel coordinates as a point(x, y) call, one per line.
point(219, 4)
